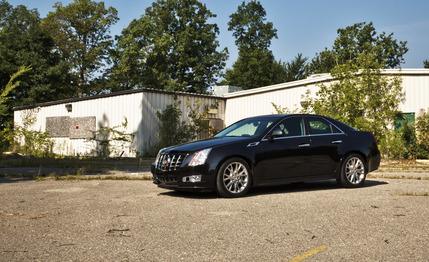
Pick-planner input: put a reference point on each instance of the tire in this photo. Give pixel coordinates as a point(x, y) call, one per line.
point(353, 171)
point(233, 184)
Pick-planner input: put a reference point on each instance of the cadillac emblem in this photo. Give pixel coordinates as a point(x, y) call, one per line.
point(165, 163)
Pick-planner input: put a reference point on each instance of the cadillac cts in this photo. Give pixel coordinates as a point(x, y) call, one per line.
point(269, 150)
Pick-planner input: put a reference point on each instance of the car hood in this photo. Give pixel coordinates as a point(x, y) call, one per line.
point(207, 143)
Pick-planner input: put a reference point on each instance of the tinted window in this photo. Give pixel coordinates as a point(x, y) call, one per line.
point(246, 127)
point(293, 126)
point(319, 126)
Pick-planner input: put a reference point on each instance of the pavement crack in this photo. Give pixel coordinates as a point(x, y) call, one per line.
point(113, 230)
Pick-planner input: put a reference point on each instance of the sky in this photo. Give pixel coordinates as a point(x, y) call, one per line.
point(304, 26)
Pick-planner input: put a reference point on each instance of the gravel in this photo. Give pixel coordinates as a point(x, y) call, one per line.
point(136, 221)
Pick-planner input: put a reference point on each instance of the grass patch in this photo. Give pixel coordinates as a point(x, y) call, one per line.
point(93, 177)
point(378, 175)
point(421, 194)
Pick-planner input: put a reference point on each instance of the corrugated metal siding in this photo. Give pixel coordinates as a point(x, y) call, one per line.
point(416, 90)
point(415, 87)
point(138, 108)
point(261, 104)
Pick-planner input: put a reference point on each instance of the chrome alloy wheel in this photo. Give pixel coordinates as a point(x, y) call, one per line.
point(355, 170)
point(235, 177)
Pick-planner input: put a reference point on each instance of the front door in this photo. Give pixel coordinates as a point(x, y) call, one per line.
point(284, 155)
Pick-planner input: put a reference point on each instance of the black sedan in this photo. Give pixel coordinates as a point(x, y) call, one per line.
point(269, 150)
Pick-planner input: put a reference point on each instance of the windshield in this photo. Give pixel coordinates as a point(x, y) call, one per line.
point(247, 127)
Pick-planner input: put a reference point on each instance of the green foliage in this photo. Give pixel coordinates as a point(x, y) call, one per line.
point(422, 128)
point(81, 33)
point(296, 69)
point(250, 28)
point(411, 148)
point(107, 138)
point(10, 86)
point(28, 142)
point(426, 63)
point(255, 66)
point(282, 110)
point(392, 145)
point(200, 124)
point(4, 108)
point(24, 43)
point(360, 96)
point(172, 130)
point(172, 46)
point(357, 39)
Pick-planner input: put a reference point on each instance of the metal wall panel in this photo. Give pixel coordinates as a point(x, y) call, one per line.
point(415, 87)
point(139, 109)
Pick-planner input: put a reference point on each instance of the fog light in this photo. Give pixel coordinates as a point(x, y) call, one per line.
point(192, 179)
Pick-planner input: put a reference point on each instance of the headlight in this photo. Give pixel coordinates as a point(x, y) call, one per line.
point(157, 156)
point(200, 157)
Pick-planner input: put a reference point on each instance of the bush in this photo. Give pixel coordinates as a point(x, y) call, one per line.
point(422, 129)
point(403, 144)
point(29, 142)
point(172, 131)
point(392, 145)
point(408, 135)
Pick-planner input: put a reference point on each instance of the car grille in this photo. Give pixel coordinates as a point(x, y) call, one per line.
point(170, 162)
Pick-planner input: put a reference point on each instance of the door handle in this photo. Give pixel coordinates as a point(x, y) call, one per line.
point(304, 145)
point(337, 142)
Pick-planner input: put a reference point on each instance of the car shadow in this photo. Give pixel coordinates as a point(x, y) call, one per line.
point(266, 190)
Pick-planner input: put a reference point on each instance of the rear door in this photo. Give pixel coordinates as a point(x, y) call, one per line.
point(325, 140)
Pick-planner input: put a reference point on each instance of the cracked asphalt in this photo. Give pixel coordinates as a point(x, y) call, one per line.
point(136, 221)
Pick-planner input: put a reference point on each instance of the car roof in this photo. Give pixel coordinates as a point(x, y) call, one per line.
point(278, 116)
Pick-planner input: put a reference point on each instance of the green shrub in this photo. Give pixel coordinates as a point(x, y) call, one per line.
point(29, 142)
point(392, 145)
point(172, 130)
point(422, 129)
point(408, 135)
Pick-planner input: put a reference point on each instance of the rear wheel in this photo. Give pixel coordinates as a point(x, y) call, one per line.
point(353, 171)
point(233, 178)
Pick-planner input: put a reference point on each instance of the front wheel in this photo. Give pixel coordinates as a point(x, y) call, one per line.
point(233, 178)
point(353, 171)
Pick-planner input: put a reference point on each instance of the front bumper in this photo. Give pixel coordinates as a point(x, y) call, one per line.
point(173, 179)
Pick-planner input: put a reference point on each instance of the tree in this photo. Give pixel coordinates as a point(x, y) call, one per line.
point(255, 65)
point(296, 69)
point(5, 92)
point(172, 46)
point(81, 34)
point(23, 42)
point(426, 63)
point(360, 96)
point(360, 38)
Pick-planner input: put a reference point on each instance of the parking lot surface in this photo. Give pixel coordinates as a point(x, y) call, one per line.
point(387, 220)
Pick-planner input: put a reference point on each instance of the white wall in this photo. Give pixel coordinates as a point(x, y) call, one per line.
point(415, 87)
point(138, 108)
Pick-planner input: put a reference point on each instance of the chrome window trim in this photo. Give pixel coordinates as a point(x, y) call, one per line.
point(303, 118)
point(342, 132)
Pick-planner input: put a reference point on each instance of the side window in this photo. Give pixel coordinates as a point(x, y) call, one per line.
point(319, 126)
point(293, 126)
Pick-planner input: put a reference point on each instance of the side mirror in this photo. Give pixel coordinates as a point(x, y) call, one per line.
point(276, 133)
